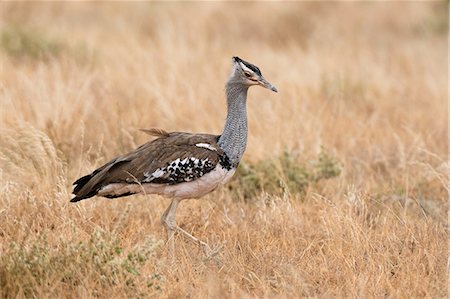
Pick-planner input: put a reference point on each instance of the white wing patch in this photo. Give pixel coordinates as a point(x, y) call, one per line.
point(151, 176)
point(207, 146)
point(158, 173)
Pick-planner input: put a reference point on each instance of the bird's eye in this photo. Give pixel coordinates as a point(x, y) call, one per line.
point(247, 74)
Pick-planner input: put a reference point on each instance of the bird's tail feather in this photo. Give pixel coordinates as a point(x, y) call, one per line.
point(79, 184)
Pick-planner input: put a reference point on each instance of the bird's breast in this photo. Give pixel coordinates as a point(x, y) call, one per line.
point(199, 187)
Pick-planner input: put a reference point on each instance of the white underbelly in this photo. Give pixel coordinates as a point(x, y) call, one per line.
point(199, 187)
point(193, 189)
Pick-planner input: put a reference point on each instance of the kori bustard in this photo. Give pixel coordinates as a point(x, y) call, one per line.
point(181, 165)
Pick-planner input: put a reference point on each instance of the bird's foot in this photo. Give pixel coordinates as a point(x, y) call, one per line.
point(212, 254)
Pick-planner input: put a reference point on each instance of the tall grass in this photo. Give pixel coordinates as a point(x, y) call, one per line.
point(343, 188)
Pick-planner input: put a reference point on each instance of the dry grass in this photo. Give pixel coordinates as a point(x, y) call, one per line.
point(362, 84)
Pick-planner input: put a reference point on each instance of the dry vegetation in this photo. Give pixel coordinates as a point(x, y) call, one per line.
point(343, 192)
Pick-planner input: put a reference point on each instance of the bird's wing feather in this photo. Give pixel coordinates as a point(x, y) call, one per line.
point(153, 162)
point(157, 132)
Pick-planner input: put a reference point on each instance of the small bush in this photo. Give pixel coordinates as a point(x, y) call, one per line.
point(326, 166)
point(22, 42)
point(23, 270)
point(286, 171)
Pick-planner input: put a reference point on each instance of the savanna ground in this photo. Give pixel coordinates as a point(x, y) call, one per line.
point(343, 188)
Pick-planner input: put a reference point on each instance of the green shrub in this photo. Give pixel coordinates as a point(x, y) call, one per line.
point(326, 166)
point(101, 261)
point(283, 172)
point(22, 42)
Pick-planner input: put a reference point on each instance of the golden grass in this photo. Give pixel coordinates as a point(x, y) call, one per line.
point(364, 82)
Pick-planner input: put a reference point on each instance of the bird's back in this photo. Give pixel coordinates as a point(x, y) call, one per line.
point(159, 166)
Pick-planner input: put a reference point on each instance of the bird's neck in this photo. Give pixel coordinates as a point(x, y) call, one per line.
point(234, 137)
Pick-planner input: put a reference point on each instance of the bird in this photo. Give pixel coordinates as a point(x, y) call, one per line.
point(180, 165)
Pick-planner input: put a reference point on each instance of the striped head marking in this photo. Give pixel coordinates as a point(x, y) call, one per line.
point(247, 66)
point(249, 74)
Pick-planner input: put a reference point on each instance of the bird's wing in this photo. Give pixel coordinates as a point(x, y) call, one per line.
point(170, 159)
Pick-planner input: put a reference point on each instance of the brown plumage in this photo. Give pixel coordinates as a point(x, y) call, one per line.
point(157, 132)
point(146, 159)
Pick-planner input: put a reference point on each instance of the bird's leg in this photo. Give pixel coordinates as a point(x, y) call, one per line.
point(169, 222)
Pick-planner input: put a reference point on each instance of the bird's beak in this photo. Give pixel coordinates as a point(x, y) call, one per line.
point(264, 83)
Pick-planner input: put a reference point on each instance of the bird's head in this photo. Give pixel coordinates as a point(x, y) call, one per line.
point(248, 74)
